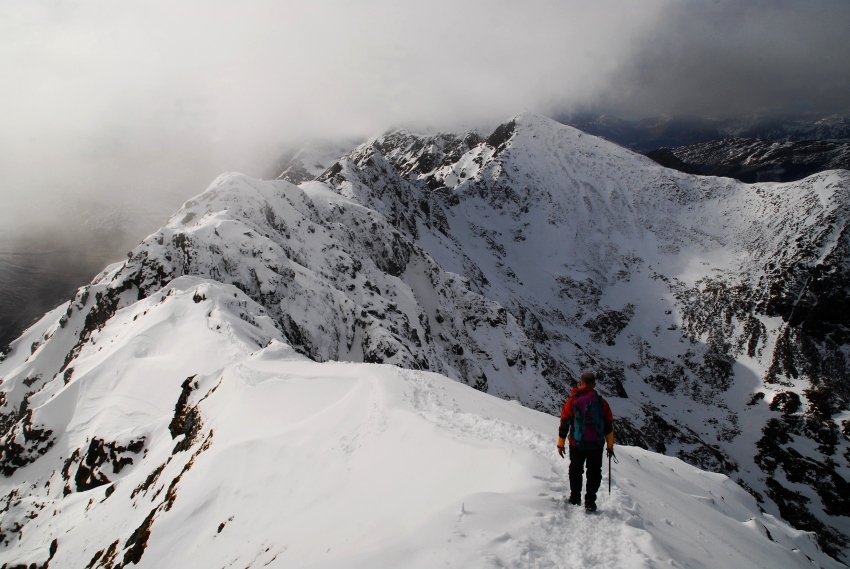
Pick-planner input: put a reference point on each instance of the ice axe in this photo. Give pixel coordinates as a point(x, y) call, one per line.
point(610, 456)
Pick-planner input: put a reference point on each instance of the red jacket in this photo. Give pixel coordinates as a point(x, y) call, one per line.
point(567, 418)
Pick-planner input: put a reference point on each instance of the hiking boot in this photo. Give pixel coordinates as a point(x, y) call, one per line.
point(574, 500)
point(589, 507)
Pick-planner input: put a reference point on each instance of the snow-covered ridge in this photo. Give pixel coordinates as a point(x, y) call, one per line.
point(192, 435)
point(711, 309)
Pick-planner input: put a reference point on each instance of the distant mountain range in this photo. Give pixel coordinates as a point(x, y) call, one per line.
point(657, 132)
point(754, 160)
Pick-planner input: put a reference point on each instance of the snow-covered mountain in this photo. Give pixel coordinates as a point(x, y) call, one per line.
point(713, 311)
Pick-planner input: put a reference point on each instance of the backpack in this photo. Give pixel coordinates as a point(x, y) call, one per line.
point(588, 421)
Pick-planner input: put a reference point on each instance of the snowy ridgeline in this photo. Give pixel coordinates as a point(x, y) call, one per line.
point(209, 442)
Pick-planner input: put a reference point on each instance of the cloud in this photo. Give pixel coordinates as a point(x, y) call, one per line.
point(727, 58)
point(308, 66)
point(108, 101)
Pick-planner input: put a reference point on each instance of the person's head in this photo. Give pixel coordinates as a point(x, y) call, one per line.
point(588, 379)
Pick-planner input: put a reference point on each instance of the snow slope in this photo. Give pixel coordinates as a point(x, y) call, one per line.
point(265, 458)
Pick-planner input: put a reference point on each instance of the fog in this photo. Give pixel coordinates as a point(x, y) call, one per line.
point(113, 113)
point(108, 101)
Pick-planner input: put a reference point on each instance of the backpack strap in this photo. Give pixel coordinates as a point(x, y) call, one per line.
point(578, 424)
point(598, 417)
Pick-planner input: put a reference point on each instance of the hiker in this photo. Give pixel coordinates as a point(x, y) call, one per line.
point(588, 423)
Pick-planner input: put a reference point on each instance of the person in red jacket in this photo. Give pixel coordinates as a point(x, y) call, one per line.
point(588, 423)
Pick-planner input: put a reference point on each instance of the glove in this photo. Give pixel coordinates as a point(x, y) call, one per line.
point(610, 452)
point(561, 444)
point(561, 451)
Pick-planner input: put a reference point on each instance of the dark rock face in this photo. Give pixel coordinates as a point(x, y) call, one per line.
point(809, 347)
point(667, 158)
point(501, 136)
point(90, 469)
point(187, 419)
point(22, 441)
point(607, 325)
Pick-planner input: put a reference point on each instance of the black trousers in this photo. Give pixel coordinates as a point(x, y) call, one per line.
point(593, 459)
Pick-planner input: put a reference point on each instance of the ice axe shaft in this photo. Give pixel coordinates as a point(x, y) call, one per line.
point(610, 456)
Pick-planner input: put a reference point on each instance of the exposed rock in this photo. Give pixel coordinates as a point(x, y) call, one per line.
point(187, 418)
point(21, 441)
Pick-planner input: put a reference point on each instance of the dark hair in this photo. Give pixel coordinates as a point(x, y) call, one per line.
point(588, 378)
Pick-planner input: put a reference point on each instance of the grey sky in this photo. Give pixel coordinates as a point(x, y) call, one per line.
point(725, 58)
point(103, 100)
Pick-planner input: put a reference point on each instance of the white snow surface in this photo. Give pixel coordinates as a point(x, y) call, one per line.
point(306, 464)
